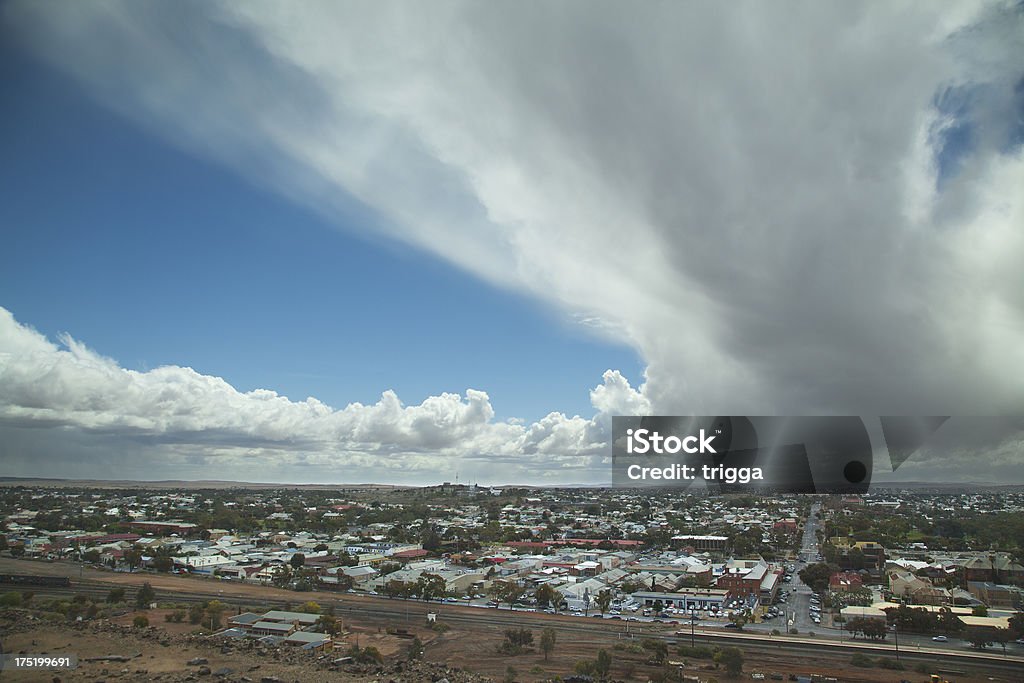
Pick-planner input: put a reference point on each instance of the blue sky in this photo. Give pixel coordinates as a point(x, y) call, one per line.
point(153, 256)
point(330, 241)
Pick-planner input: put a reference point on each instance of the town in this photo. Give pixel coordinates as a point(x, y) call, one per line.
point(917, 570)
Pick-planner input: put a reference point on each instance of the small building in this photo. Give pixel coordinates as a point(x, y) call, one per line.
point(704, 600)
point(309, 641)
point(300, 618)
point(245, 620)
point(272, 628)
point(845, 582)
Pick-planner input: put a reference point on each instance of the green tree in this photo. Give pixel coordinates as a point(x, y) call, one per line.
point(980, 611)
point(145, 596)
point(163, 563)
point(547, 642)
point(1002, 636)
point(328, 623)
point(546, 595)
point(603, 664)
point(732, 659)
point(132, 557)
point(430, 587)
point(817, 575)
point(115, 595)
point(657, 649)
point(1017, 624)
point(415, 650)
point(297, 561)
point(282, 575)
point(517, 641)
point(140, 621)
point(214, 610)
point(603, 601)
point(505, 591)
point(195, 614)
point(979, 637)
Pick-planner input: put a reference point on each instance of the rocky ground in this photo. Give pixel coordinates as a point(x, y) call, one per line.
point(125, 653)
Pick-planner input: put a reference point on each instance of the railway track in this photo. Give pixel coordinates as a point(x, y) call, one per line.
point(384, 611)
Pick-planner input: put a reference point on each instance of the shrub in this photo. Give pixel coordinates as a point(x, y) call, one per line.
point(862, 660)
point(10, 599)
point(141, 621)
point(892, 664)
point(698, 652)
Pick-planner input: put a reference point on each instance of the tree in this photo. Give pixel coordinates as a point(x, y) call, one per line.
point(979, 637)
point(430, 539)
point(873, 629)
point(282, 575)
point(140, 621)
point(546, 595)
point(132, 558)
point(366, 655)
point(1017, 624)
point(297, 560)
point(328, 623)
point(430, 586)
point(740, 619)
point(517, 641)
point(415, 650)
point(1002, 636)
point(214, 610)
point(396, 589)
point(658, 649)
point(732, 659)
point(310, 607)
point(603, 664)
point(603, 601)
point(980, 611)
point(547, 642)
point(505, 591)
point(115, 595)
point(145, 597)
point(163, 563)
point(817, 575)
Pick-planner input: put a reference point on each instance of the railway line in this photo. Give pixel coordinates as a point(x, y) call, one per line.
point(384, 611)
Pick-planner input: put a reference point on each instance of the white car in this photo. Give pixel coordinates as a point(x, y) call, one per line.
point(940, 639)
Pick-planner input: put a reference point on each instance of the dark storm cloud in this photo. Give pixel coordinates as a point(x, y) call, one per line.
point(747, 193)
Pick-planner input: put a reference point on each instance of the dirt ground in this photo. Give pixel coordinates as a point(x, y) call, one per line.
point(164, 649)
